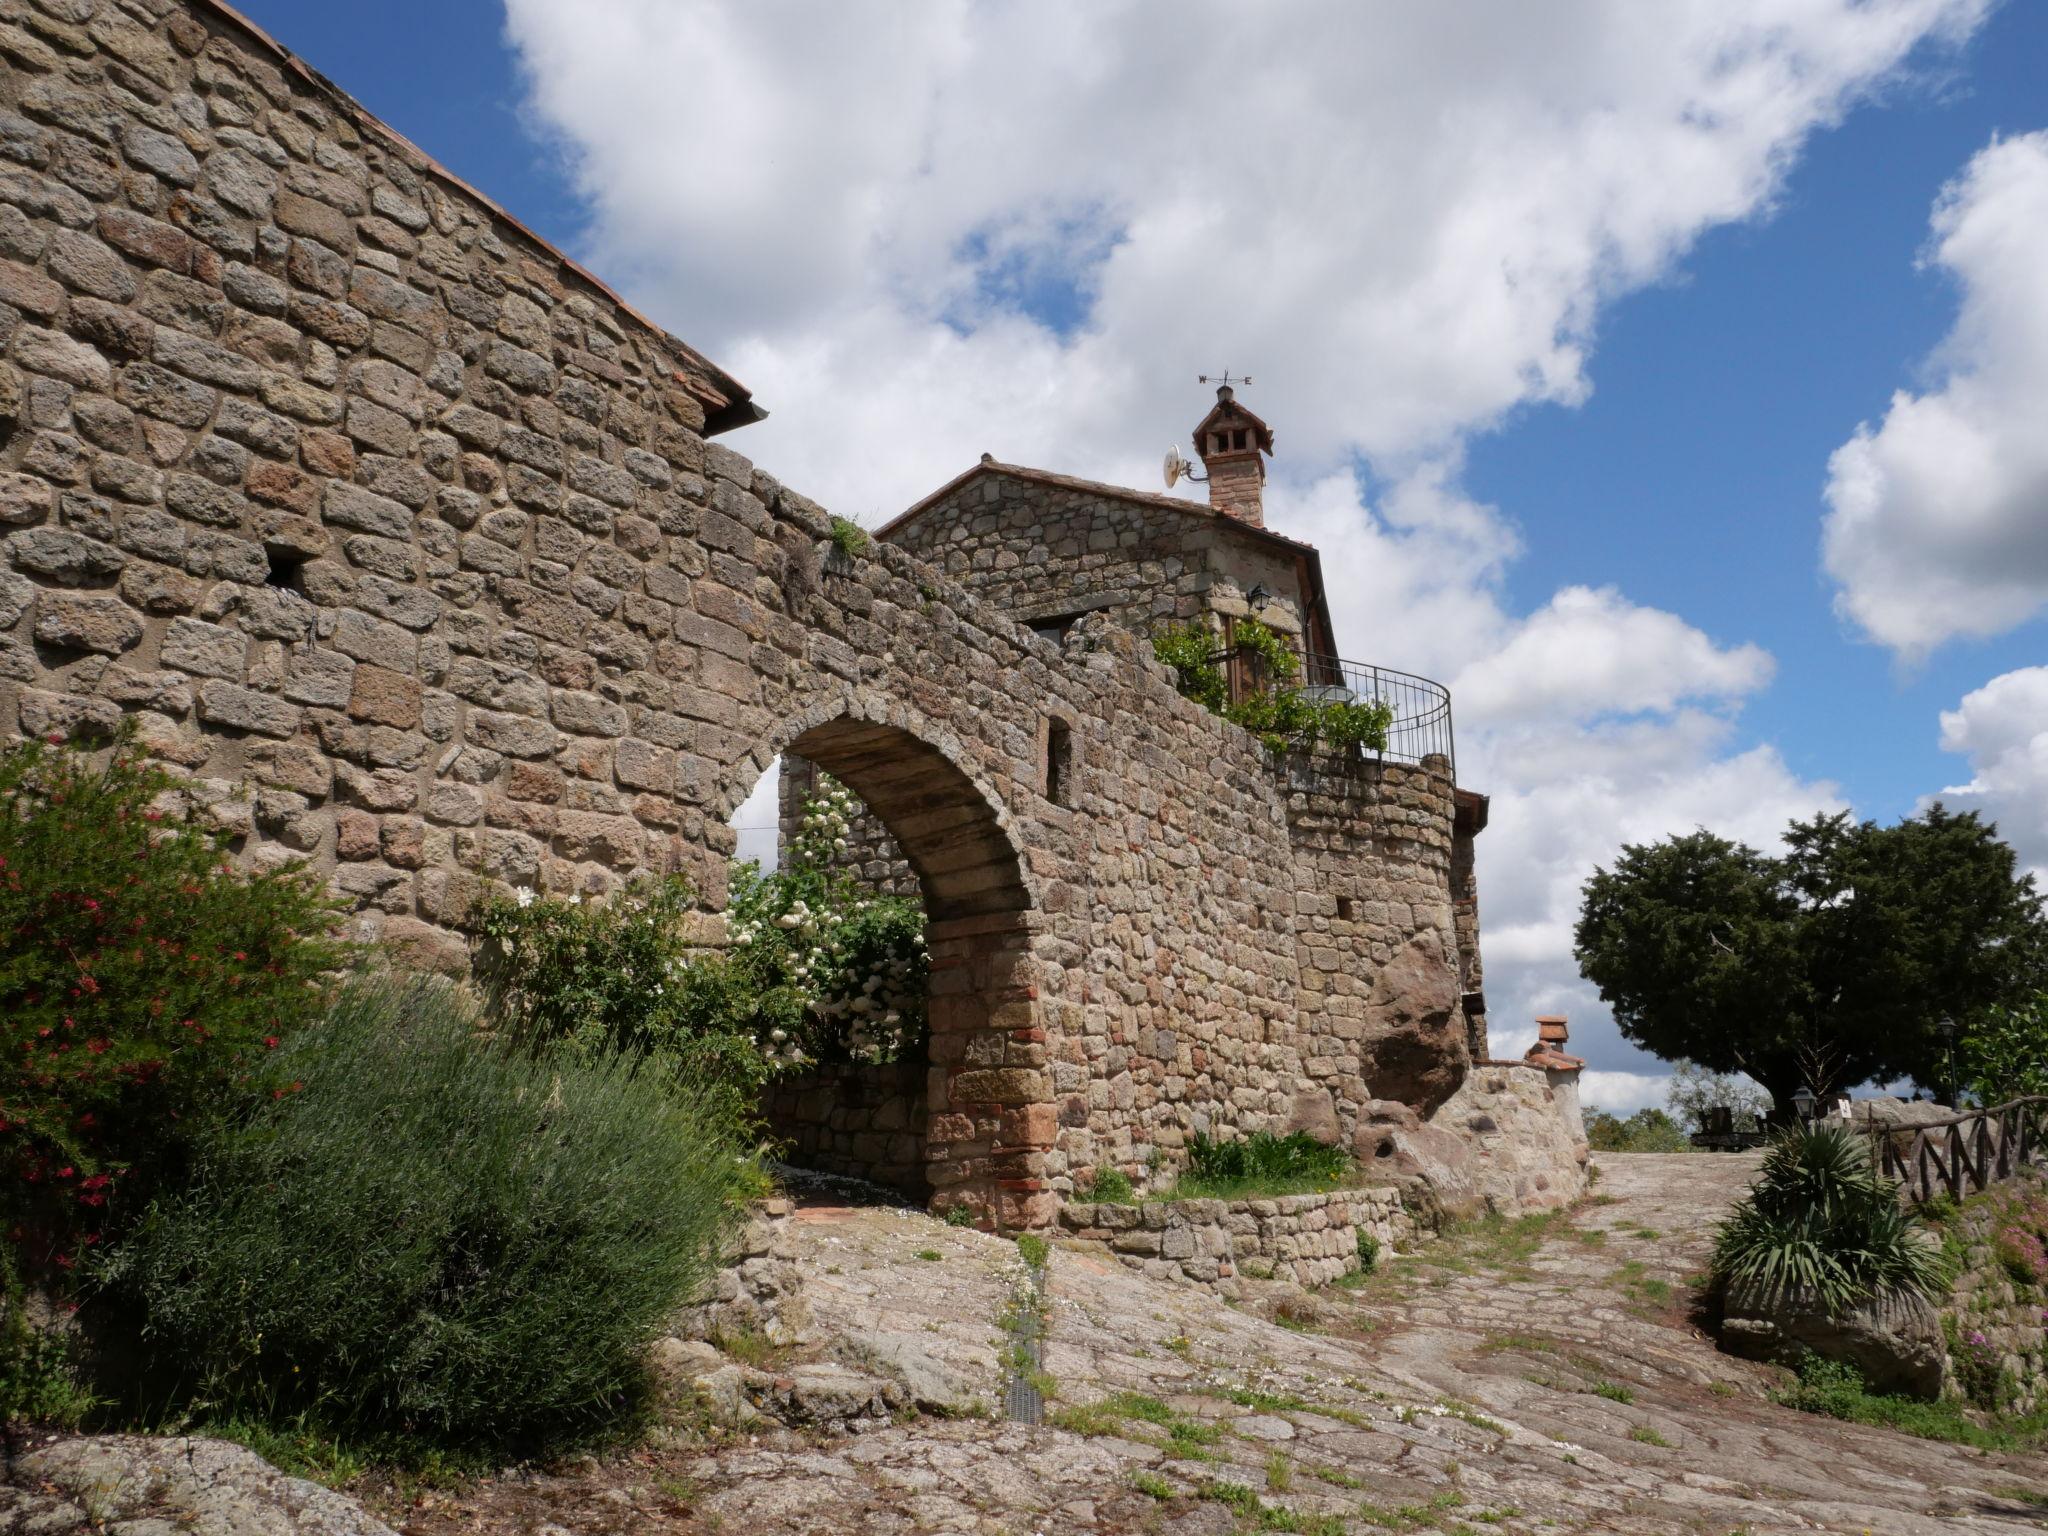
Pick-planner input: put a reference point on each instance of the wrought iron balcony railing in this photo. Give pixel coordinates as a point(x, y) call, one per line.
point(1421, 708)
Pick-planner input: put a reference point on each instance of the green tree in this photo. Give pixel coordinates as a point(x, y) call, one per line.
point(2005, 1054)
point(1835, 960)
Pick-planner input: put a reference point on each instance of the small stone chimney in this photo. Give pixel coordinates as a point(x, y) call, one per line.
point(1233, 444)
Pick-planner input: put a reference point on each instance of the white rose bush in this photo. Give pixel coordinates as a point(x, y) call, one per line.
point(817, 967)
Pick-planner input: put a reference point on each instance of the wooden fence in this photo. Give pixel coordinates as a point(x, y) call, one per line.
point(1966, 1153)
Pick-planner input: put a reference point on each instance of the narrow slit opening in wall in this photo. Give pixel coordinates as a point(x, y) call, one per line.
point(1059, 761)
point(285, 569)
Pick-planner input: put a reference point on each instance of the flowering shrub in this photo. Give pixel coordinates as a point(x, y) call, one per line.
point(818, 967)
point(144, 981)
point(853, 959)
point(438, 1243)
point(2021, 1239)
point(1277, 711)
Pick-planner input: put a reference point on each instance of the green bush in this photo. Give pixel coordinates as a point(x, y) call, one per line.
point(1260, 1164)
point(1110, 1186)
point(1276, 710)
point(39, 1379)
point(1837, 1389)
point(818, 968)
point(1368, 1252)
point(1821, 1221)
point(144, 981)
point(439, 1239)
point(1647, 1130)
point(2005, 1053)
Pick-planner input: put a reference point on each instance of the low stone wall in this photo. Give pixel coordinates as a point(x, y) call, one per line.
point(759, 1289)
point(1309, 1239)
point(857, 1119)
point(1996, 1321)
point(1525, 1136)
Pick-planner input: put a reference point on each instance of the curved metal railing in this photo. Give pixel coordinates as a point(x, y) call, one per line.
point(1421, 724)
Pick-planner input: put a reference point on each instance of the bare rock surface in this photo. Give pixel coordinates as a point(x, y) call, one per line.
point(1540, 1377)
point(139, 1486)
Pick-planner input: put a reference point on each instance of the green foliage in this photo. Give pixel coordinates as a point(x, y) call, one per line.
point(1368, 1252)
point(1276, 710)
point(1837, 1389)
point(1261, 1164)
point(818, 967)
point(1190, 650)
point(143, 982)
point(1033, 1250)
point(849, 538)
point(1822, 1222)
point(1837, 959)
point(2004, 1054)
point(39, 1380)
point(439, 1241)
point(1110, 1186)
point(1647, 1130)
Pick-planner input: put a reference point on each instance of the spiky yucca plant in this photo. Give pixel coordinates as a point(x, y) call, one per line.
point(1822, 1222)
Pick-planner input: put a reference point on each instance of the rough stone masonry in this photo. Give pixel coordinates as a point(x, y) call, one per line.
point(409, 544)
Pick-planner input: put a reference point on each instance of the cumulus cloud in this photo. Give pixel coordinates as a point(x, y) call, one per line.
point(2002, 728)
point(1938, 516)
point(922, 233)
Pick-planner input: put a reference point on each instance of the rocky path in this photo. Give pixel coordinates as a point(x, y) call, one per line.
point(1538, 1377)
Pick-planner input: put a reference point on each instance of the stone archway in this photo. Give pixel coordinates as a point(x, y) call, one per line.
point(987, 1118)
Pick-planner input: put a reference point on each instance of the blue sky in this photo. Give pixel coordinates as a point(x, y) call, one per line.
point(1561, 315)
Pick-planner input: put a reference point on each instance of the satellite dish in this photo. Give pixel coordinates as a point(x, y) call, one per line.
point(1175, 466)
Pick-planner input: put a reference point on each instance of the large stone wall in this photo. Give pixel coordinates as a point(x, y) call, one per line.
point(1375, 936)
point(403, 540)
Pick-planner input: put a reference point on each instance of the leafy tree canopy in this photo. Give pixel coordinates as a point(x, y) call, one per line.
point(1829, 965)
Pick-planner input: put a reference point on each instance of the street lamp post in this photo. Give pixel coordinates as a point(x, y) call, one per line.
point(1948, 1029)
point(1803, 1101)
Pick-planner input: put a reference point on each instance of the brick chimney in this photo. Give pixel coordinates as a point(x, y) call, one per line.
point(1233, 444)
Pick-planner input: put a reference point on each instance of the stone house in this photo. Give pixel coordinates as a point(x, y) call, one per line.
point(420, 557)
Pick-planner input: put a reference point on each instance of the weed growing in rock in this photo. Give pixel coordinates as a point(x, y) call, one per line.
point(1109, 1186)
point(1642, 1434)
point(1259, 1166)
point(1152, 1485)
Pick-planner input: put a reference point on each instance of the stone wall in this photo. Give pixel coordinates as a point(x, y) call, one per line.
point(1995, 1320)
point(871, 853)
point(1525, 1133)
point(855, 1118)
point(1308, 1239)
point(403, 540)
point(1375, 938)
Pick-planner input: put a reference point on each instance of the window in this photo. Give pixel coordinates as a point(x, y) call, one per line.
point(1237, 438)
point(1059, 761)
point(1055, 626)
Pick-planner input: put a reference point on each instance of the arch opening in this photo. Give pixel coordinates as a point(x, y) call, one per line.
point(964, 1118)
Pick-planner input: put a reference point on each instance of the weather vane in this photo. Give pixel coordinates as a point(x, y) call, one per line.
point(1223, 378)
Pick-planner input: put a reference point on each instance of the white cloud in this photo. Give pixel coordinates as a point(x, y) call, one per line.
point(2003, 729)
point(1938, 516)
point(921, 233)
point(1622, 1093)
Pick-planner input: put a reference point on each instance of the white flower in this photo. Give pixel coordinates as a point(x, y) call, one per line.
point(523, 896)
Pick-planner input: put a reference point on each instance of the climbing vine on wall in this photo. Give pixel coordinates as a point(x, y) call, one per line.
point(1276, 710)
